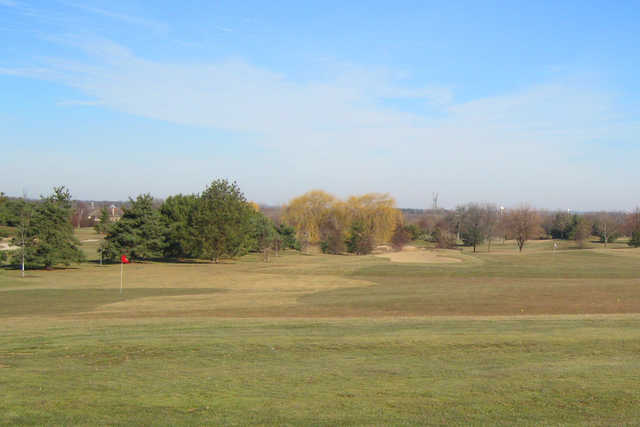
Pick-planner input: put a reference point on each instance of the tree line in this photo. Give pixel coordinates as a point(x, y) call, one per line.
point(215, 224)
point(221, 223)
point(42, 230)
point(218, 223)
point(474, 224)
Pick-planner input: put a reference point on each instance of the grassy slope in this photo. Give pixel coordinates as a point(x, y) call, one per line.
point(327, 340)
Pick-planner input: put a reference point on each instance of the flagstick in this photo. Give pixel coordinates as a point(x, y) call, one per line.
point(121, 274)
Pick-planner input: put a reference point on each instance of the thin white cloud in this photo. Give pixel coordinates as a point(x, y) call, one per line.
point(8, 3)
point(78, 103)
point(122, 17)
point(525, 145)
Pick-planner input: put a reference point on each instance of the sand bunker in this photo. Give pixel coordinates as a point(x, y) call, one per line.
point(7, 247)
point(415, 255)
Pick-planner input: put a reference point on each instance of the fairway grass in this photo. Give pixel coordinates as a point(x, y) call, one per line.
point(329, 372)
point(502, 338)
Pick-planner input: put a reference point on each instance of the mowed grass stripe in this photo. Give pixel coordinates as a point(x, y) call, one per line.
point(46, 302)
point(580, 264)
point(325, 373)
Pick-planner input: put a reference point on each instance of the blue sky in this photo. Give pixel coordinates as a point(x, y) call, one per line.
point(507, 102)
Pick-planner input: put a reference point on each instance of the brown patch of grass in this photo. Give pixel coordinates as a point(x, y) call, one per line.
point(323, 286)
point(414, 255)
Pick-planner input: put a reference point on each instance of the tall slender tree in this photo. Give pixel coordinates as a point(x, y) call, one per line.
point(491, 222)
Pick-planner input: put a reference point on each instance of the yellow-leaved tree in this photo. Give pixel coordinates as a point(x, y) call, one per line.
point(307, 214)
point(377, 212)
point(320, 218)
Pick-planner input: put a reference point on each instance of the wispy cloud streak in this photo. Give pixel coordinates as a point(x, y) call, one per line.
point(513, 143)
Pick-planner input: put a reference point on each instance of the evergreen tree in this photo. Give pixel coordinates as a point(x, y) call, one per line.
point(263, 234)
point(47, 238)
point(105, 220)
point(413, 230)
point(360, 240)
point(177, 215)
point(3, 209)
point(138, 234)
point(222, 221)
point(563, 225)
point(11, 210)
point(288, 237)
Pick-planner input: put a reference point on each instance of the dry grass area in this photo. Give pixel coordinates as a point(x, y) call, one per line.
point(254, 295)
point(412, 283)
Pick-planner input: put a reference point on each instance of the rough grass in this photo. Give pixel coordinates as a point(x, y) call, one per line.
point(500, 338)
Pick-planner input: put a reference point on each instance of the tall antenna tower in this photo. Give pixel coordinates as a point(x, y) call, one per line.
point(435, 201)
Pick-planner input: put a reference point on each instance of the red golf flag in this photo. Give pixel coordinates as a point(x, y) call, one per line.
point(124, 259)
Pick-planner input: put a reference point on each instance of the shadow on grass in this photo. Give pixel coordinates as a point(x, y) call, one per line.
point(163, 261)
point(182, 261)
point(27, 268)
point(150, 260)
point(62, 301)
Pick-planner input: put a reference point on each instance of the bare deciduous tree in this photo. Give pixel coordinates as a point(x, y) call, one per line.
point(582, 231)
point(632, 226)
point(607, 225)
point(491, 222)
point(524, 224)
